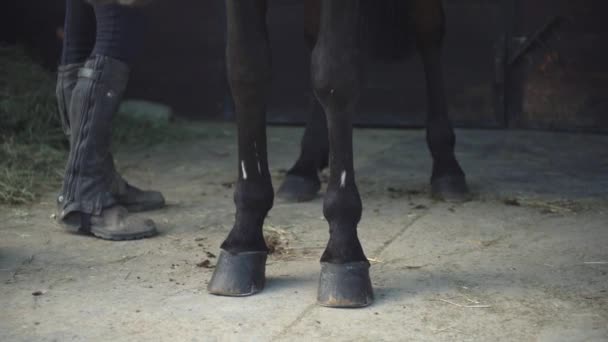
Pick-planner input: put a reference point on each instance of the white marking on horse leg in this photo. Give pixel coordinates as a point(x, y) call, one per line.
point(343, 179)
point(243, 169)
point(257, 156)
point(255, 149)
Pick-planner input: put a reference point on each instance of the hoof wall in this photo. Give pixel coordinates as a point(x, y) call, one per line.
point(238, 275)
point(298, 189)
point(345, 285)
point(451, 189)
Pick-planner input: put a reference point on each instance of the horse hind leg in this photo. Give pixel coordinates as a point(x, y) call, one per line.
point(302, 181)
point(448, 180)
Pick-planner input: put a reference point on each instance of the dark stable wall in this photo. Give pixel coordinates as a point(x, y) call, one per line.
point(183, 59)
point(33, 24)
point(558, 83)
point(394, 93)
point(182, 62)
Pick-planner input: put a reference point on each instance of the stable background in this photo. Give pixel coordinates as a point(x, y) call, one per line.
point(524, 260)
point(509, 63)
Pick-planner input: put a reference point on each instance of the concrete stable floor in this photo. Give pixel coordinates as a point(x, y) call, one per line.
point(525, 260)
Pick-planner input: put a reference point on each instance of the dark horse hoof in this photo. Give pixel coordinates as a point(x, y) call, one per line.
point(298, 189)
point(345, 285)
point(451, 189)
point(238, 275)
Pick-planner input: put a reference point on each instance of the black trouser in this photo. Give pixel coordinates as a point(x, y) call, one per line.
point(104, 30)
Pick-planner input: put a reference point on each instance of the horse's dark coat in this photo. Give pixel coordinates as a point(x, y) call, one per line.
point(335, 29)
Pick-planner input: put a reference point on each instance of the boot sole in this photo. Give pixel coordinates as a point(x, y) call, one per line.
point(74, 226)
point(122, 237)
point(138, 208)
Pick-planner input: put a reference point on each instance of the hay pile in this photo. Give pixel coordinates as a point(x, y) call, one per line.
point(32, 146)
point(33, 149)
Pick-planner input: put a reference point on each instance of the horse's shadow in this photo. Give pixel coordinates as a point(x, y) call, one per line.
point(280, 283)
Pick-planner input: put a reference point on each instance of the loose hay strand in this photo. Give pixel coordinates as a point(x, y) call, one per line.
point(480, 306)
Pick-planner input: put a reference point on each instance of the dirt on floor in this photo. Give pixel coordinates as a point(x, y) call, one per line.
point(525, 260)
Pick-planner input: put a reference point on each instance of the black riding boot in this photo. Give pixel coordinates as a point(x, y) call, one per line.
point(67, 76)
point(87, 203)
point(130, 197)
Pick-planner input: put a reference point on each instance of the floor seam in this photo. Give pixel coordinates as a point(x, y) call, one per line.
point(298, 319)
point(393, 238)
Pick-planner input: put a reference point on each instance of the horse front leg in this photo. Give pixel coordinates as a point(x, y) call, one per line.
point(344, 279)
point(240, 269)
point(302, 181)
point(448, 181)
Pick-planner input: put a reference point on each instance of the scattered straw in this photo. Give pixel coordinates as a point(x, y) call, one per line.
point(451, 327)
point(374, 260)
point(476, 306)
point(562, 206)
point(278, 240)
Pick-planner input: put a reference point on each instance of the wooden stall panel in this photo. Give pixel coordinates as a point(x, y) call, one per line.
point(565, 82)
